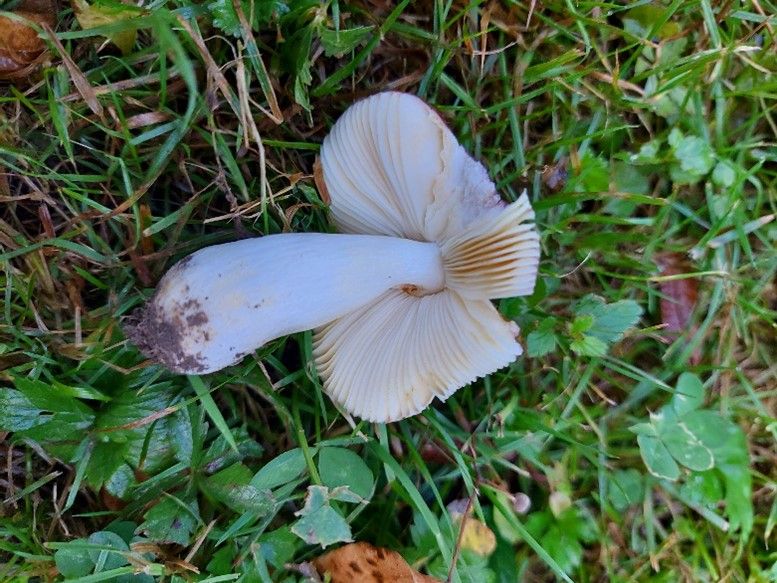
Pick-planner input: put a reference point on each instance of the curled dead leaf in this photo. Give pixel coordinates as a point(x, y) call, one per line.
point(366, 563)
point(318, 178)
point(21, 48)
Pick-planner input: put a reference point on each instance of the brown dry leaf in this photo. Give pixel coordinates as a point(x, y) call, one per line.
point(21, 49)
point(366, 563)
point(555, 175)
point(318, 178)
point(680, 295)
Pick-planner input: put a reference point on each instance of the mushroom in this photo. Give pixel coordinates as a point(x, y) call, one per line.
point(399, 300)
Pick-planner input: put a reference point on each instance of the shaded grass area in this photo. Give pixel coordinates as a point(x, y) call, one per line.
point(647, 140)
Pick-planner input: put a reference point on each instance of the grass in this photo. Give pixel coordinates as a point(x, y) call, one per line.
point(646, 136)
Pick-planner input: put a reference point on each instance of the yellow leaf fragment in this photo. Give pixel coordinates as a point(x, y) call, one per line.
point(476, 537)
point(366, 563)
point(107, 13)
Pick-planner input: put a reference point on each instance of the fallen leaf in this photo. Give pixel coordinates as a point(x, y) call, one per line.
point(475, 535)
point(366, 563)
point(678, 297)
point(21, 49)
point(555, 175)
point(107, 13)
point(478, 538)
point(318, 178)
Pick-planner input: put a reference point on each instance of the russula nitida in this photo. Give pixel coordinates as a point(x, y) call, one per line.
point(400, 300)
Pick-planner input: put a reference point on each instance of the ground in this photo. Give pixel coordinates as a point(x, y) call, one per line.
point(633, 441)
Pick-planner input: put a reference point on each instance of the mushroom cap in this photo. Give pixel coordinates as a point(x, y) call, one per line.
point(392, 167)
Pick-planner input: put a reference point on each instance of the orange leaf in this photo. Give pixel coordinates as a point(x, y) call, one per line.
point(318, 178)
point(365, 563)
point(21, 49)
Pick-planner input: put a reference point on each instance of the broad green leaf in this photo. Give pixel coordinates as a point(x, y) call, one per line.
point(724, 437)
point(222, 560)
point(686, 448)
point(339, 42)
point(324, 527)
point(295, 56)
point(181, 435)
point(652, 18)
point(279, 546)
point(49, 398)
point(648, 153)
point(695, 157)
point(80, 392)
point(225, 16)
point(283, 469)
point(581, 324)
point(113, 553)
point(689, 394)
point(657, 458)
point(739, 498)
point(724, 174)
point(728, 444)
point(232, 488)
point(126, 418)
point(17, 413)
point(626, 488)
point(562, 538)
point(106, 458)
point(422, 535)
point(121, 481)
point(644, 429)
point(168, 522)
point(220, 454)
point(124, 528)
point(541, 341)
point(610, 321)
point(579, 523)
point(344, 494)
point(703, 488)
point(629, 178)
point(72, 561)
point(342, 467)
point(589, 346)
point(320, 523)
point(593, 176)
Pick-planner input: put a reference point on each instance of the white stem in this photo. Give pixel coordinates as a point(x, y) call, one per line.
point(222, 302)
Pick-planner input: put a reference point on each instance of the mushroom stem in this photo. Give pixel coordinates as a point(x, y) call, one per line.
point(222, 302)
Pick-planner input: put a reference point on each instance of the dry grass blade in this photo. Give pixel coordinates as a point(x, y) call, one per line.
point(79, 79)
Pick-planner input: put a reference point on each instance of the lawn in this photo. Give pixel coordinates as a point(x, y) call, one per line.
point(633, 441)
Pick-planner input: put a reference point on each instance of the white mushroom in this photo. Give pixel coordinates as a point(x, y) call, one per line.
point(400, 302)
